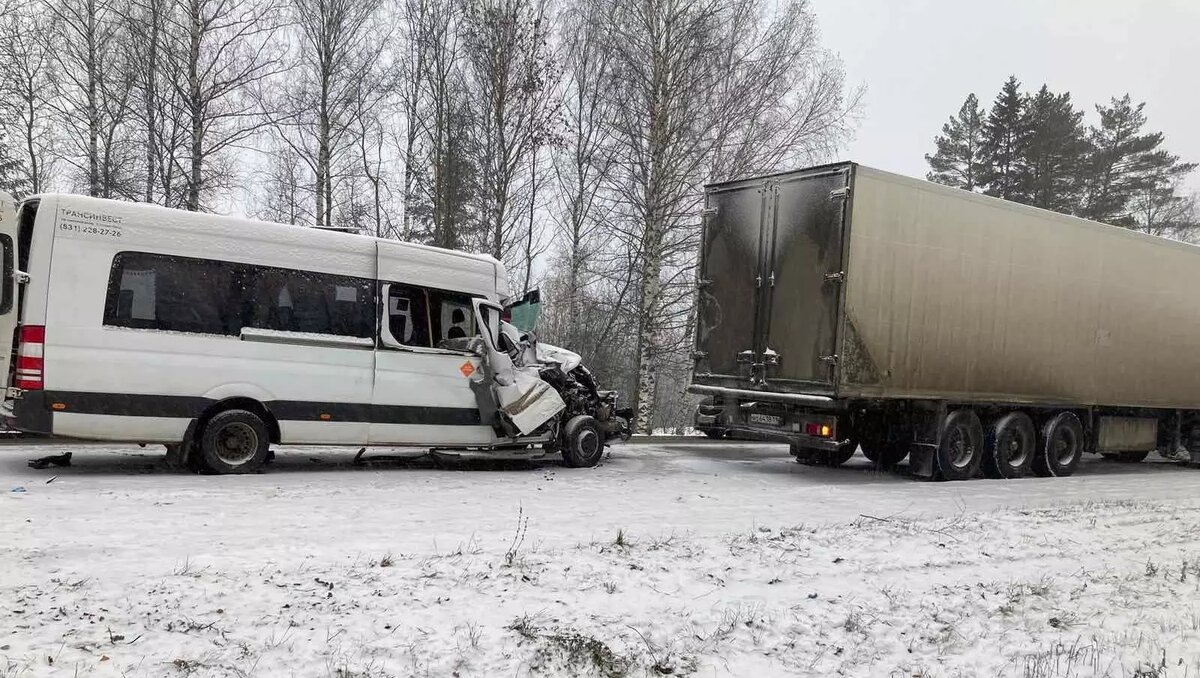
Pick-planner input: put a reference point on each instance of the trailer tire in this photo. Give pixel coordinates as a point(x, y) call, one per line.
point(583, 442)
point(1061, 446)
point(234, 441)
point(1011, 445)
point(884, 453)
point(961, 449)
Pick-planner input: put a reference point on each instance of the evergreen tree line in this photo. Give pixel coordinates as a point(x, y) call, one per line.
point(1038, 149)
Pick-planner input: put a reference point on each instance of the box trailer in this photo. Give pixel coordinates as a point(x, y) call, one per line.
point(842, 306)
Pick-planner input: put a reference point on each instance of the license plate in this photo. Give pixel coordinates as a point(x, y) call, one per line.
point(768, 419)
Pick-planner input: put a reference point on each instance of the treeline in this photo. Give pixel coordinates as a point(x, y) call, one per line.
point(1038, 149)
point(569, 140)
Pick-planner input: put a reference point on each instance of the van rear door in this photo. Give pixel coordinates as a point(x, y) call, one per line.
point(8, 283)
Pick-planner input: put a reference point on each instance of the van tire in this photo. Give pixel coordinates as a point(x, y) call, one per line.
point(583, 442)
point(234, 441)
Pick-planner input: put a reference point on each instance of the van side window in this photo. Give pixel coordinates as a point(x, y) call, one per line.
point(452, 315)
point(151, 291)
point(161, 292)
point(408, 315)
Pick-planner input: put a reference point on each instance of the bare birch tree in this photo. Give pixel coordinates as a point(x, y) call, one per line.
point(702, 86)
point(509, 72)
point(218, 50)
point(93, 95)
point(339, 43)
point(26, 76)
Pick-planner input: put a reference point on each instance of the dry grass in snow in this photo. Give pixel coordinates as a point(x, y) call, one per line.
point(1098, 589)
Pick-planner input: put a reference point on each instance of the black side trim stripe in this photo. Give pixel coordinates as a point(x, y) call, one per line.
point(189, 407)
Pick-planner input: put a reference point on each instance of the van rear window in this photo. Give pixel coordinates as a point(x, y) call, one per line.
point(183, 294)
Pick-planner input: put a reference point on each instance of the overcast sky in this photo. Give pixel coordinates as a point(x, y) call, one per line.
point(920, 58)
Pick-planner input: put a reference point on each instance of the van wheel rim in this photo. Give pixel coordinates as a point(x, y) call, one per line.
point(961, 450)
point(237, 444)
point(588, 441)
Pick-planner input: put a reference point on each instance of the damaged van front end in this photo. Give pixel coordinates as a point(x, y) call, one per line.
point(536, 393)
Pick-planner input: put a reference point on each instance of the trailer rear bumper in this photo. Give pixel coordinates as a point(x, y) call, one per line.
point(802, 420)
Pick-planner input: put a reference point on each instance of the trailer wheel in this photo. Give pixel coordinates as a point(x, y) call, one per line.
point(583, 442)
point(961, 449)
point(884, 453)
point(1061, 446)
point(1011, 444)
point(234, 441)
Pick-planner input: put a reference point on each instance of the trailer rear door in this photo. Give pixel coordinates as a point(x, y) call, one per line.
point(771, 272)
point(804, 277)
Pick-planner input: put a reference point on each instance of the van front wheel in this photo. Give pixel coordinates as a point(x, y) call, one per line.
point(583, 442)
point(234, 441)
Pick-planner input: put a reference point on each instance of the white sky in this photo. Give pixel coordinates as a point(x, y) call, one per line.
point(920, 58)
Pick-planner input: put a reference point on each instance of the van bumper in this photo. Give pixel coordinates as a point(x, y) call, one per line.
point(29, 413)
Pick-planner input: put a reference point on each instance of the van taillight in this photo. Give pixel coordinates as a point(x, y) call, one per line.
point(29, 358)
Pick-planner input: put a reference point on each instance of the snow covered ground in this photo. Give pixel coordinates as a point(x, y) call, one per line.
point(685, 558)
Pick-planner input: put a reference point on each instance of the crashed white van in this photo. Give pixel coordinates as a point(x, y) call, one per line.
point(217, 336)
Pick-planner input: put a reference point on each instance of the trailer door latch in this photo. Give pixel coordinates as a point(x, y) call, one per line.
point(839, 193)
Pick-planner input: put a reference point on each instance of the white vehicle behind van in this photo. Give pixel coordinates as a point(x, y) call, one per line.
point(217, 336)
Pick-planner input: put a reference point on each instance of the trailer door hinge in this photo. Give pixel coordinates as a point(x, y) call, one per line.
point(745, 357)
point(838, 277)
point(703, 282)
point(21, 277)
point(839, 193)
point(710, 212)
point(831, 359)
point(699, 355)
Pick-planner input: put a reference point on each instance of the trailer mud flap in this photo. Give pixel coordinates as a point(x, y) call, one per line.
point(928, 425)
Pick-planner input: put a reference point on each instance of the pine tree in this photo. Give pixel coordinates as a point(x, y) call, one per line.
point(12, 170)
point(958, 160)
point(1053, 154)
point(1127, 164)
point(1005, 135)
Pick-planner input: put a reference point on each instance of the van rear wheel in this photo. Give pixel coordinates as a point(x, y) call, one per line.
point(234, 441)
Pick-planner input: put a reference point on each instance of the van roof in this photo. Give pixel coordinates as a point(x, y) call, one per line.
point(331, 236)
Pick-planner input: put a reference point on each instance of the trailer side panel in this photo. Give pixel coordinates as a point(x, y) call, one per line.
point(955, 296)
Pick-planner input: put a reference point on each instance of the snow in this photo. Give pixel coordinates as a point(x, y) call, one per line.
point(690, 557)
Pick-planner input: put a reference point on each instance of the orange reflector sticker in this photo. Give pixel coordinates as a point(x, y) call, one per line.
point(59, 406)
point(326, 416)
point(467, 369)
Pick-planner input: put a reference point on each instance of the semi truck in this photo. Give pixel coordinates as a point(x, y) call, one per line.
point(841, 306)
